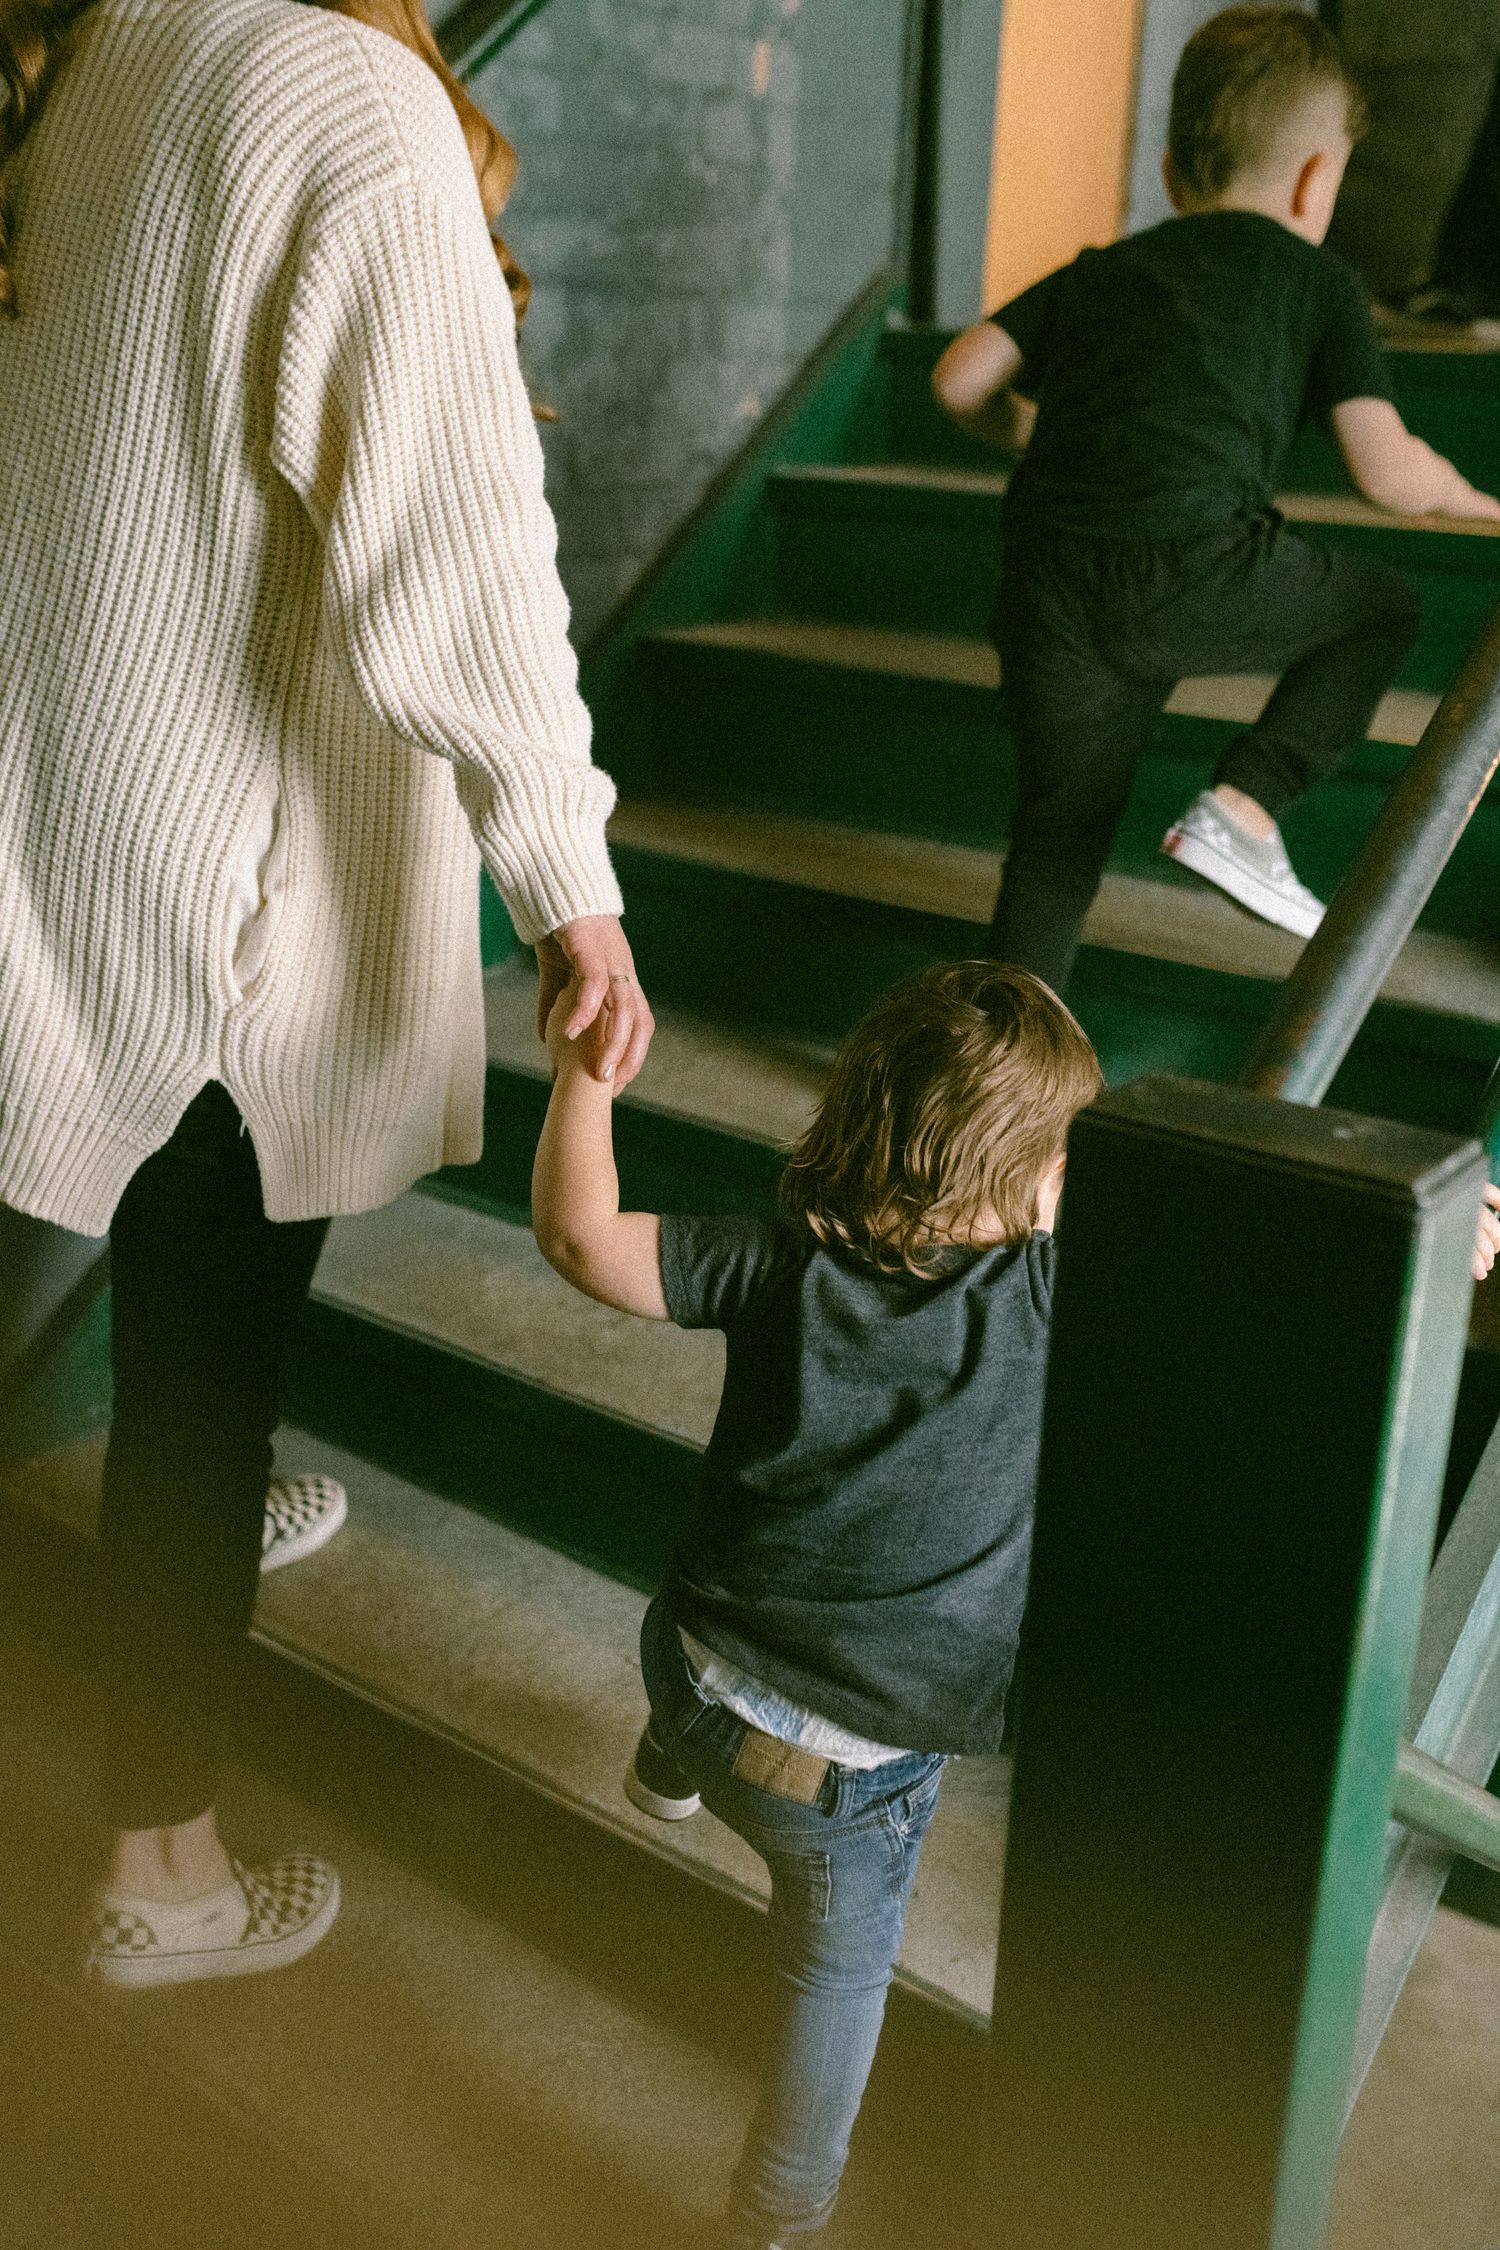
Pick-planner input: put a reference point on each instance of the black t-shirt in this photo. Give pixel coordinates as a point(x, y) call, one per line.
point(864, 1527)
point(1172, 369)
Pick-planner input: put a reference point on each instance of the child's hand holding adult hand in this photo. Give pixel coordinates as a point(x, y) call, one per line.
point(591, 958)
point(1487, 1241)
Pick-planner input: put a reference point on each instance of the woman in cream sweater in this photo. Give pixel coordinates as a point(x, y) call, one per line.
point(283, 657)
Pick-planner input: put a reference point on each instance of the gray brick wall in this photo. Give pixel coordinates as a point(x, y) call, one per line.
point(705, 184)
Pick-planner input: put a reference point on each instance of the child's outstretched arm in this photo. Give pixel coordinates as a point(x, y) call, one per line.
point(972, 385)
point(1400, 471)
point(608, 1253)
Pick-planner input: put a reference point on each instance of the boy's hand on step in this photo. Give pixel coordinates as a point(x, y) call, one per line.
point(1487, 1242)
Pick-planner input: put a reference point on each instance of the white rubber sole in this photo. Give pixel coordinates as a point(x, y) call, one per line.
point(309, 1541)
point(660, 1808)
point(135, 1973)
point(1240, 883)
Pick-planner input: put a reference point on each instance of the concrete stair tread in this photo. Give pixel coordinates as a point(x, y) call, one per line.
point(1343, 508)
point(478, 1285)
point(530, 1660)
point(1175, 919)
point(1398, 333)
point(954, 660)
point(1448, 339)
point(749, 1083)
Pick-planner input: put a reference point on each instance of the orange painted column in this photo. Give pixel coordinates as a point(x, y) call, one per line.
point(1063, 115)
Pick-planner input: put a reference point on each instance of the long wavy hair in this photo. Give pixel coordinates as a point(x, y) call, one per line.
point(945, 1107)
point(35, 36)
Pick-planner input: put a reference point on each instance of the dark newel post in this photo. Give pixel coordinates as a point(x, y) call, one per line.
point(1259, 1325)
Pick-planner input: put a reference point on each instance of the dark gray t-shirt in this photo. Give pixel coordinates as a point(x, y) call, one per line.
point(863, 1531)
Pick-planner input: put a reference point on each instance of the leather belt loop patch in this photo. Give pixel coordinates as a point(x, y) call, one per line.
point(780, 1767)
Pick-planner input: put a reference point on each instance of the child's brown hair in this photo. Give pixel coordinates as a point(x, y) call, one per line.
point(1240, 76)
point(944, 1110)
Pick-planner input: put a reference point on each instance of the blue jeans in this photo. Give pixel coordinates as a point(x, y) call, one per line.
point(841, 1873)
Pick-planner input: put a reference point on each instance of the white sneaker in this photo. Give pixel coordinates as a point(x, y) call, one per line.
point(266, 1918)
point(1252, 870)
point(302, 1515)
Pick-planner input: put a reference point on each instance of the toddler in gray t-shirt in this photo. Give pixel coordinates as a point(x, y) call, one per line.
point(842, 1610)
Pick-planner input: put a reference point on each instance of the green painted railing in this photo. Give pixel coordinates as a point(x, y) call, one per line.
point(476, 32)
point(1455, 1713)
point(1259, 1326)
point(1432, 1800)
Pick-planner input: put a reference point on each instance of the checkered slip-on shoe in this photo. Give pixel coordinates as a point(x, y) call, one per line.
point(302, 1515)
point(266, 1918)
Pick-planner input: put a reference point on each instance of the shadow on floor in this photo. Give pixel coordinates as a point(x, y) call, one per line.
point(568, 2014)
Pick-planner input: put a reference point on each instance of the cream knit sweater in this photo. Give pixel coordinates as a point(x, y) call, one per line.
point(272, 542)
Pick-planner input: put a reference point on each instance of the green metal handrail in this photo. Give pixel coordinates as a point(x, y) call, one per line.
point(1438, 1797)
point(1325, 1000)
point(1453, 1716)
point(1434, 1801)
point(475, 33)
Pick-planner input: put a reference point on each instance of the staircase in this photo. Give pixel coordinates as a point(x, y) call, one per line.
point(813, 789)
point(813, 801)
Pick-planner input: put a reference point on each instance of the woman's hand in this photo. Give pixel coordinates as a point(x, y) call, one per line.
point(595, 952)
point(1487, 1241)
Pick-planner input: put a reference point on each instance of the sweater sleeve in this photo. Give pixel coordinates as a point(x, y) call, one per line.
point(402, 420)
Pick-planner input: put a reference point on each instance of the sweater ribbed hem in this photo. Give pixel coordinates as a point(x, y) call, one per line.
point(72, 1170)
point(68, 1170)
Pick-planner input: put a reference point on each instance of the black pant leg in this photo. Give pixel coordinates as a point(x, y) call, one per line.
point(1468, 256)
point(205, 1290)
point(1335, 625)
point(1079, 728)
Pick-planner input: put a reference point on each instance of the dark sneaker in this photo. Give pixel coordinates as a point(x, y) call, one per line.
point(1253, 870)
point(302, 1515)
point(655, 1786)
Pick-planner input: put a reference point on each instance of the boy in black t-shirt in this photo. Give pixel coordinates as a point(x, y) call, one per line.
point(1157, 385)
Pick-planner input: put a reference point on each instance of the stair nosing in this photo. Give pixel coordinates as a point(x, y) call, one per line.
point(970, 664)
point(939, 480)
point(355, 1303)
point(532, 1066)
point(648, 827)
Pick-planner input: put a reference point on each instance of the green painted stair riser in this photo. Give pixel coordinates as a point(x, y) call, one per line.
point(735, 728)
point(810, 963)
point(928, 561)
point(605, 1491)
point(665, 1163)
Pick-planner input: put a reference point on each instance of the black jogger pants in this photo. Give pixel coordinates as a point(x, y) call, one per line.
point(1094, 634)
point(205, 1292)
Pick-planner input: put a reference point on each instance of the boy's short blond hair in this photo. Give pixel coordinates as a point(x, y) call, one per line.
point(1241, 77)
point(943, 1112)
